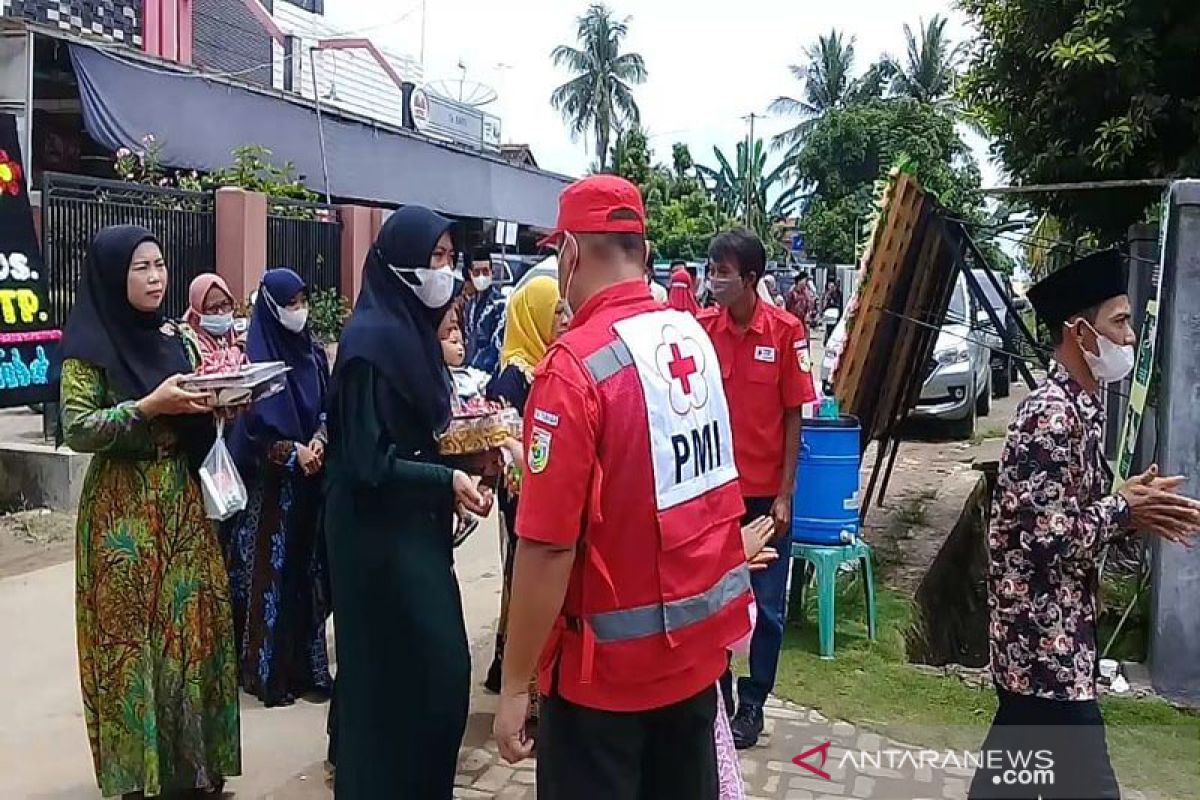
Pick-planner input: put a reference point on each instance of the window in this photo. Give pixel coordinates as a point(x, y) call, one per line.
point(313, 6)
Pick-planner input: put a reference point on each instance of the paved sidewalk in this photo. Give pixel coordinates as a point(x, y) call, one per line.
point(767, 769)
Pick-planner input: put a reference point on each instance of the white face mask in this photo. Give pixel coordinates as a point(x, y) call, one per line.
point(216, 324)
point(1114, 362)
point(481, 282)
point(294, 319)
point(434, 287)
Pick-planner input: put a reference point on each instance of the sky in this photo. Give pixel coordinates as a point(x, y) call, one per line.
point(708, 69)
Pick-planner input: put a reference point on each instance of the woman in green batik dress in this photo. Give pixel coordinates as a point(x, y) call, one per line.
point(153, 619)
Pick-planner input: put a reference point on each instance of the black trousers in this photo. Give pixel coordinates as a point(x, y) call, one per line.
point(1052, 749)
point(665, 754)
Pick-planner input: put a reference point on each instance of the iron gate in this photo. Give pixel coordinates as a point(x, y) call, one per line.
point(74, 208)
point(308, 238)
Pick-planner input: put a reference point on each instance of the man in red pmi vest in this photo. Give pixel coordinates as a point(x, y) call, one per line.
point(630, 577)
point(767, 372)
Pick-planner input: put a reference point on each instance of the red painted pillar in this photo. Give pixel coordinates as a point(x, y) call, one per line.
point(185, 31)
point(358, 234)
point(152, 27)
point(169, 33)
point(241, 239)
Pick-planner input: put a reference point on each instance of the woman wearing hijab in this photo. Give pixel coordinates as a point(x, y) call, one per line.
point(277, 567)
point(404, 665)
point(681, 295)
point(532, 324)
point(208, 324)
point(153, 621)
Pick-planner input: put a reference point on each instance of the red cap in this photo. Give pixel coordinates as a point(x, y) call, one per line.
point(599, 204)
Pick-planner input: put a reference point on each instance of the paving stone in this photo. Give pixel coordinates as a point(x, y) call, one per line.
point(494, 779)
point(749, 768)
point(815, 784)
point(513, 793)
point(798, 794)
point(870, 742)
point(463, 780)
point(771, 786)
point(843, 730)
point(471, 794)
point(923, 774)
point(817, 717)
point(475, 760)
point(863, 786)
point(525, 778)
point(955, 789)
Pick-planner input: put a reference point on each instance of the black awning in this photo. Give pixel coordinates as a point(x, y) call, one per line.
point(199, 121)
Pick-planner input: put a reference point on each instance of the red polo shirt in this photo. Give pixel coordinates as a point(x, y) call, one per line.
point(767, 369)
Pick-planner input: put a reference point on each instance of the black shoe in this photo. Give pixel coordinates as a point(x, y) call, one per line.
point(747, 726)
point(492, 682)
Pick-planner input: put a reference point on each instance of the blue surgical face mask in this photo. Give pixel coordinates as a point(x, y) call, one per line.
point(216, 324)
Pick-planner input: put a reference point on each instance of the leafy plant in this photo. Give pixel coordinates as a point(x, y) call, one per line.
point(599, 99)
point(328, 312)
point(745, 190)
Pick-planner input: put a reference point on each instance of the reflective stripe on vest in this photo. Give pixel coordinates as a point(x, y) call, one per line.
point(662, 618)
point(608, 361)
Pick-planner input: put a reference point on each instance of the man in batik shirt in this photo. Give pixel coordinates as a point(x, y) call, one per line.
point(1053, 514)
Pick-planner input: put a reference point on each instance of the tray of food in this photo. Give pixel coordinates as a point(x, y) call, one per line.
point(248, 384)
point(479, 426)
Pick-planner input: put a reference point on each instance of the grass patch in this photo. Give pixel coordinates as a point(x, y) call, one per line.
point(1155, 748)
point(987, 434)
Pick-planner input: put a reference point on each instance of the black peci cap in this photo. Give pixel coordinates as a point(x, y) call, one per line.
point(1078, 286)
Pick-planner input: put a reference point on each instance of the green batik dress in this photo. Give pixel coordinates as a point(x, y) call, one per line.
point(153, 618)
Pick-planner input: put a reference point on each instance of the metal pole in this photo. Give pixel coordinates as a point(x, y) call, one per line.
point(423, 39)
point(749, 170)
point(312, 57)
point(1174, 621)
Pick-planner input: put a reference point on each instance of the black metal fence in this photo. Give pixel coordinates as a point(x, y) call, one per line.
point(74, 208)
point(308, 238)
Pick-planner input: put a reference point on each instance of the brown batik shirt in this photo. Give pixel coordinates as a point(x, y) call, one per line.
point(1052, 515)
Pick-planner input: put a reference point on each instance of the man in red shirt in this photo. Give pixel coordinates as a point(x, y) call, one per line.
point(767, 370)
point(630, 578)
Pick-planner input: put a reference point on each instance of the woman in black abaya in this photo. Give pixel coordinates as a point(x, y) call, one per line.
point(403, 661)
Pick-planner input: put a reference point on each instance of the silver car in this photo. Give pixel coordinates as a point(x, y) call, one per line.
point(959, 386)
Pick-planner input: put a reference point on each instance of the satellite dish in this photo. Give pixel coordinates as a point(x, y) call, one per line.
point(461, 90)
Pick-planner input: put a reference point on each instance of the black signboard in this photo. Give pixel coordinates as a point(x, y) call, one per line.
point(28, 343)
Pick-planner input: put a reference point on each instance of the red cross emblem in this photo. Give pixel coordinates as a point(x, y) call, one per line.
point(682, 368)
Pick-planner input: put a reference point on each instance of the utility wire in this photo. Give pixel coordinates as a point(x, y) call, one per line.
point(1035, 239)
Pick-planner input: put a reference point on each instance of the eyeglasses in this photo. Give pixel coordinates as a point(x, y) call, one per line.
point(223, 308)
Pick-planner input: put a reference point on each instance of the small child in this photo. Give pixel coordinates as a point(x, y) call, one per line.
point(466, 386)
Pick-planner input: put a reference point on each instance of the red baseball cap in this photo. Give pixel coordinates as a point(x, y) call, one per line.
point(599, 204)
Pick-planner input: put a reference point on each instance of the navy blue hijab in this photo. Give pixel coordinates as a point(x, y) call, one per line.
point(395, 332)
point(294, 414)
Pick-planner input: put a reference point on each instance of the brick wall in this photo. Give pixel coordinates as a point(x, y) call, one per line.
point(110, 20)
point(227, 38)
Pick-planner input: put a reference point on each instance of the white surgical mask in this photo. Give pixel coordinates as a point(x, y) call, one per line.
point(216, 324)
point(481, 282)
point(1114, 362)
point(435, 287)
point(294, 319)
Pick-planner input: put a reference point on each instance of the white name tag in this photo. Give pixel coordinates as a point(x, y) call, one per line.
point(691, 440)
point(766, 354)
point(545, 417)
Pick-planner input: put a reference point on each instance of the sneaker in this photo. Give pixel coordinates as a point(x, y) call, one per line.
point(747, 726)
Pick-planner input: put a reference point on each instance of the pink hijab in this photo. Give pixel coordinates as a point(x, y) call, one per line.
point(216, 355)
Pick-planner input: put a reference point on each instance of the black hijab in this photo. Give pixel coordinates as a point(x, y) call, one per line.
point(133, 348)
point(392, 329)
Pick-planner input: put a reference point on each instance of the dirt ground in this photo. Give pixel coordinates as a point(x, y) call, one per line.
point(31, 540)
point(930, 484)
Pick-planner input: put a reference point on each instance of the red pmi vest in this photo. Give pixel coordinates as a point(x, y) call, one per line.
point(662, 575)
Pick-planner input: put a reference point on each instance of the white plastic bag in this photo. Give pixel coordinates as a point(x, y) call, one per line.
point(224, 491)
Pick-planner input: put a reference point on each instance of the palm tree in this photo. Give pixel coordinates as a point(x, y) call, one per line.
point(599, 98)
point(743, 189)
point(827, 75)
point(930, 67)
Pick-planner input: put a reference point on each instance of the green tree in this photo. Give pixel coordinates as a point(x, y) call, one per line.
point(827, 73)
point(745, 190)
point(931, 65)
point(599, 99)
point(681, 215)
point(1084, 91)
point(852, 148)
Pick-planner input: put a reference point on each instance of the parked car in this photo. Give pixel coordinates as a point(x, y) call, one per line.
point(1004, 365)
point(958, 387)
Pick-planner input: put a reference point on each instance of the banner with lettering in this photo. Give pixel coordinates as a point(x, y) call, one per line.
point(28, 343)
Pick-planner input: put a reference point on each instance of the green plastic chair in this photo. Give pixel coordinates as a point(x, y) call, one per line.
point(825, 562)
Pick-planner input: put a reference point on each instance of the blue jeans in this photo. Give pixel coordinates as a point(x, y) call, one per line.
point(770, 595)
